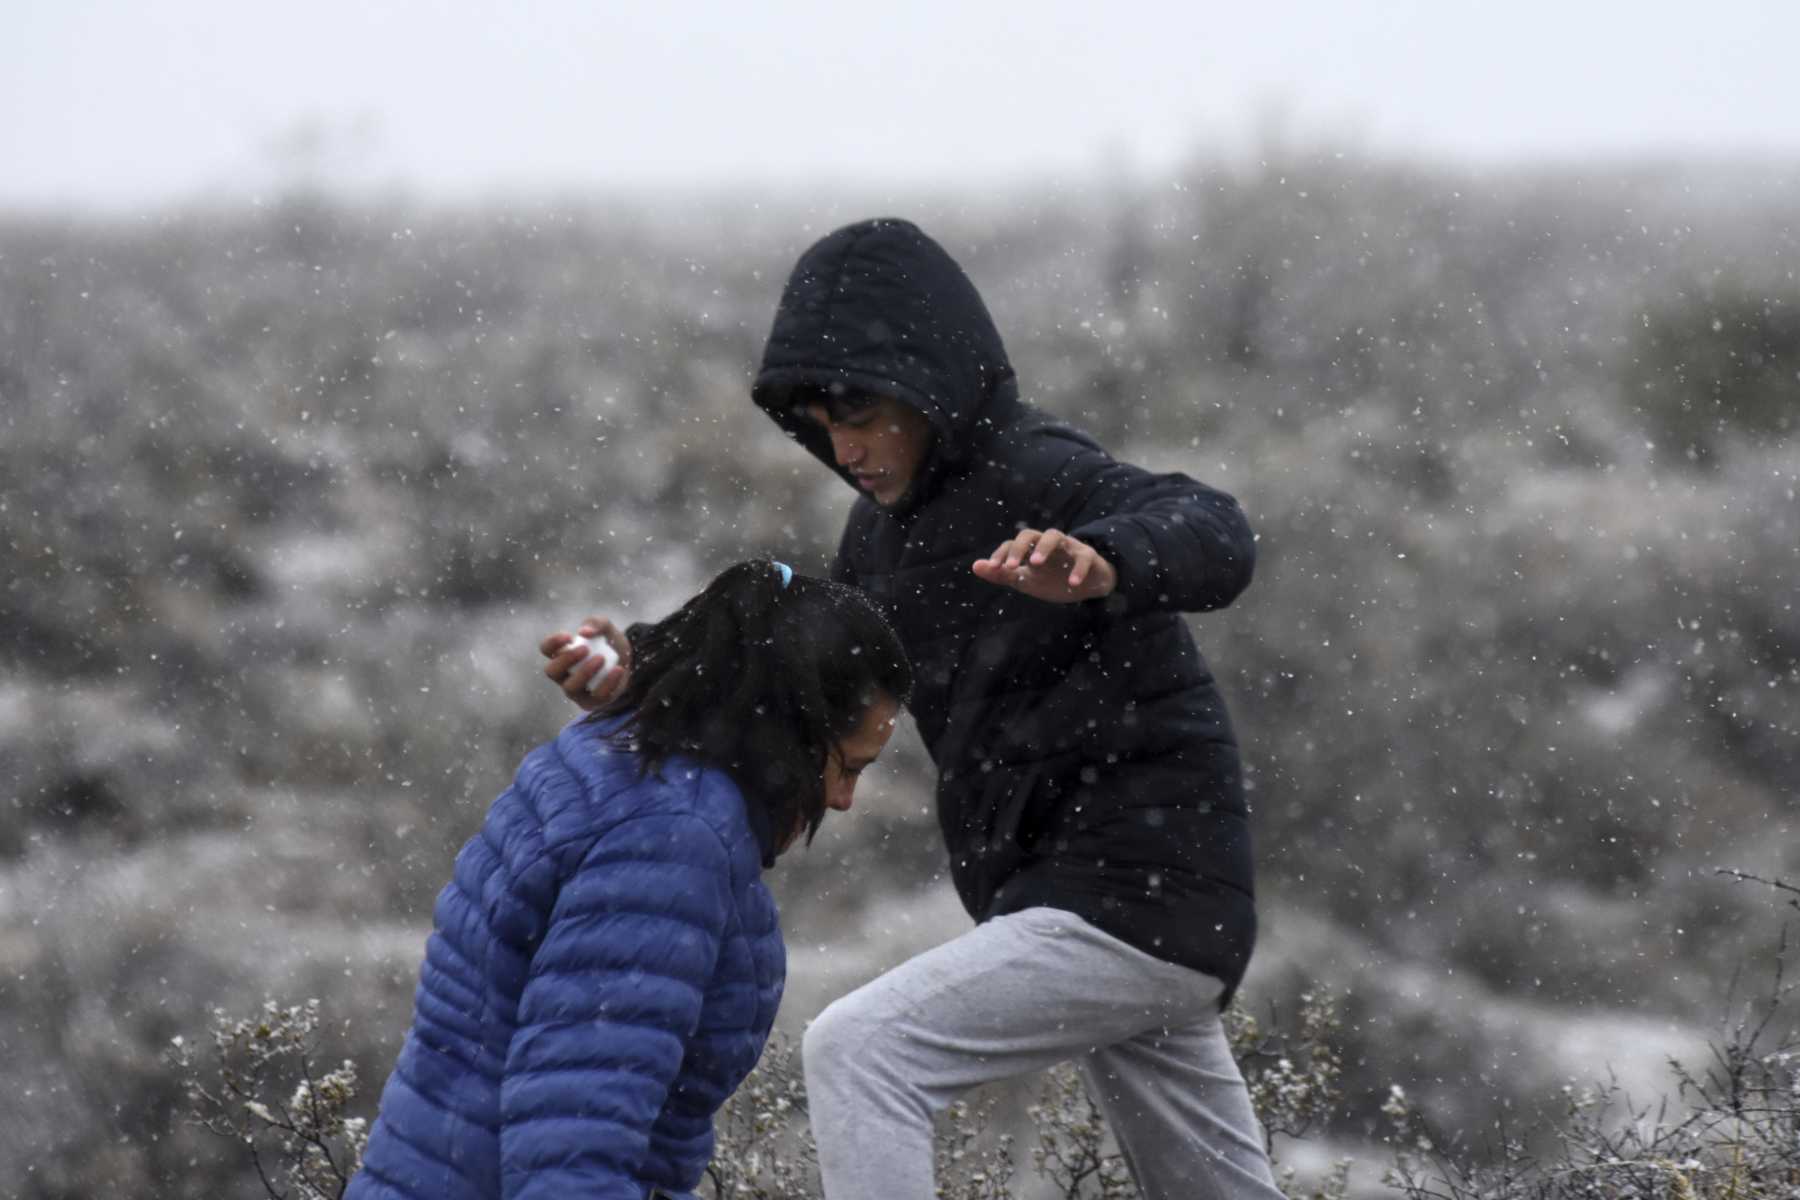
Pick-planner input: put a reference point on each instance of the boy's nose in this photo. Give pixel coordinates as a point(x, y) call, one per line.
point(848, 451)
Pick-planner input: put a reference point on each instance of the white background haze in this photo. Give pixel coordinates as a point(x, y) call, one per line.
point(119, 105)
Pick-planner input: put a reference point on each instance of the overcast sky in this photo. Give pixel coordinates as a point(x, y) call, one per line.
point(143, 103)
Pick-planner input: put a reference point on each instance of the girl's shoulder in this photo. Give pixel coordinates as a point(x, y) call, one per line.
point(608, 784)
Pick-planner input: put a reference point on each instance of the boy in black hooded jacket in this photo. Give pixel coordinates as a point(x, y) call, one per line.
point(1089, 791)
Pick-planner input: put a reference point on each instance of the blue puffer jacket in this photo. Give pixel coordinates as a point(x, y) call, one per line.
point(604, 970)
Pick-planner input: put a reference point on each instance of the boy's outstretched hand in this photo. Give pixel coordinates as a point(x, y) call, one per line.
point(582, 674)
point(1049, 565)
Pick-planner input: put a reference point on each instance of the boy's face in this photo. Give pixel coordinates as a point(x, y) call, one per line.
point(882, 444)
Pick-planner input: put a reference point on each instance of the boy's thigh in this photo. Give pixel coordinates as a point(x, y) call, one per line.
point(1015, 994)
point(1192, 1060)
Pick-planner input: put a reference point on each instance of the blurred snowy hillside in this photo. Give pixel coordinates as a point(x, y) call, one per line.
point(288, 496)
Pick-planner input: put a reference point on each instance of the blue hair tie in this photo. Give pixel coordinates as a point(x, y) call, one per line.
point(787, 573)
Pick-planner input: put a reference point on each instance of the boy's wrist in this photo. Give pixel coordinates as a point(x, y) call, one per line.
point(1126, 582)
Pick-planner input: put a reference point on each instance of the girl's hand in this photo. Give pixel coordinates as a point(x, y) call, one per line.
point(583, 675)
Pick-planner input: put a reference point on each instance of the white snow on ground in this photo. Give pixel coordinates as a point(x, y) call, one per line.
point(1519, 1038)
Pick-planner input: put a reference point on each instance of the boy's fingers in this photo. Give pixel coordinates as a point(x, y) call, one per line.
point(1021, 545)
point(1047, 545)
point(991, 571)
point(1090, 575)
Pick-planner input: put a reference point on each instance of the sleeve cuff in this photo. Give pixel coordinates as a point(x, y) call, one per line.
point(1139, 586)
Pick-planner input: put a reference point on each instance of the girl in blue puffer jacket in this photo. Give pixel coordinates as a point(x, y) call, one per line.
point(606, 962)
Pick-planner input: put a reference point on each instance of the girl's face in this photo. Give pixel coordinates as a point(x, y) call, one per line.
point(852, 756)
point(859, 748)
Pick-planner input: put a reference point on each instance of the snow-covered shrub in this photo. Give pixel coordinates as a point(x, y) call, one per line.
point(263, 1085)
point(1731, 1131)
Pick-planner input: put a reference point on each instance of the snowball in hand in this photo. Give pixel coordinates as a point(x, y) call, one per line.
point(607, 654)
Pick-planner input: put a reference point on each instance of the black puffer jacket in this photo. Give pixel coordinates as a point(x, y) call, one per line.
point(1085, 756)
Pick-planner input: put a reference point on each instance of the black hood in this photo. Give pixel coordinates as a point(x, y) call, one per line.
point(879, 307)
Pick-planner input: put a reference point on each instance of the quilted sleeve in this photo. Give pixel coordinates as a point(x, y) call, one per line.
point(613, 996)
point(1177, 544)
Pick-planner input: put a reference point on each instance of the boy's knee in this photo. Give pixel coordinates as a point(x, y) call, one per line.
point(856, 1043)
point(830, 1041)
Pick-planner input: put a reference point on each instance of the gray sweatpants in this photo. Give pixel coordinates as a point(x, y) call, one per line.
point(1018, 994)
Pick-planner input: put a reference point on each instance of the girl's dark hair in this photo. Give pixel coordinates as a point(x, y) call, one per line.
point(761, 679)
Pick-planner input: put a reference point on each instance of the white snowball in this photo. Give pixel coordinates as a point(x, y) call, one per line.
point(606, 652)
